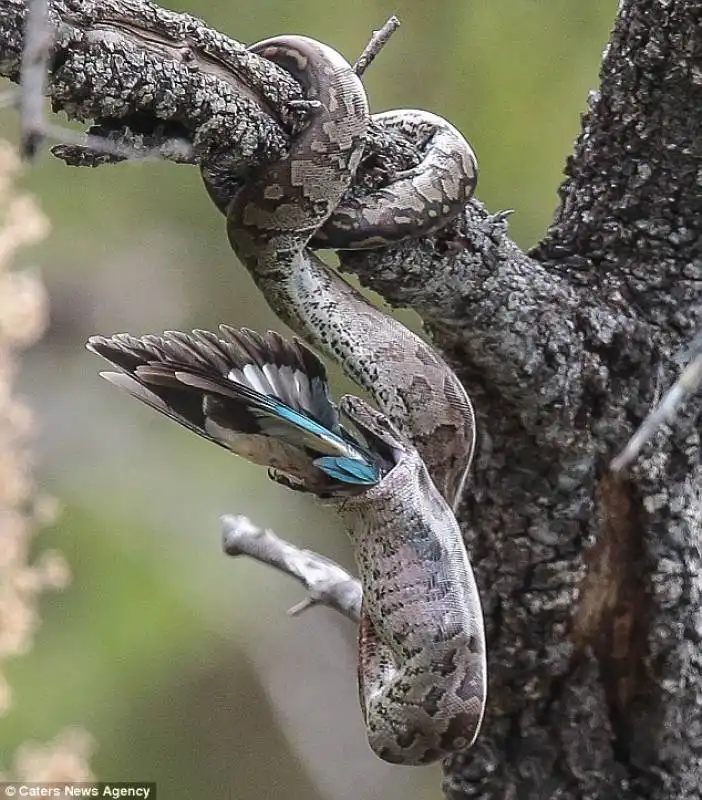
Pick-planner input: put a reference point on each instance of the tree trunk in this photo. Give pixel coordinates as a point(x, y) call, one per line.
point(591, 579)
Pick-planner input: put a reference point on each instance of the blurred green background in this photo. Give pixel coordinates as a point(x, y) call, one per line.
point(179, 660)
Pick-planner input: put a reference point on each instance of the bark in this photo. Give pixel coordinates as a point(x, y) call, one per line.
point(590, 579)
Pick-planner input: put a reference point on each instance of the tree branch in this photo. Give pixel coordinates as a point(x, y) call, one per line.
point(685, 386)
point(152, 79)
point(326, 582)
point(132, 66)
point(34, 66)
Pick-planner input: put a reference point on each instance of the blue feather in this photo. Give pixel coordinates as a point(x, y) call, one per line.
point(259, 396)
point(305, 422)
point(349, 470)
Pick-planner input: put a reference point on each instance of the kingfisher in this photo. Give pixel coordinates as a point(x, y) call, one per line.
point(262, 397)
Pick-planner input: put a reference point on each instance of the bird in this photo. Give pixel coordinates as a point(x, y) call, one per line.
point(262, 397)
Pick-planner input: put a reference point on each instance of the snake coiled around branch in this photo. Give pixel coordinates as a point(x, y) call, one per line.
point(395, 483)
point(422, 651)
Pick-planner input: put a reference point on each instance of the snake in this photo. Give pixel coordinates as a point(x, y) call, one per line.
point(422, 667)
point(397, 481)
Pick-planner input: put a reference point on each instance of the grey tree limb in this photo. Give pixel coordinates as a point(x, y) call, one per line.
point(33, 71)
point(683, 388)
point(141, 73)
point(326, 582)
point(591, 580)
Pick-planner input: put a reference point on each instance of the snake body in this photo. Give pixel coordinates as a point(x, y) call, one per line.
point(421, 646)
point(422, 672)
point(422, 669)
point(272, 219)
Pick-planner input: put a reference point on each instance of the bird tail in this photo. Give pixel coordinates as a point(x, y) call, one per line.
point(262, 397)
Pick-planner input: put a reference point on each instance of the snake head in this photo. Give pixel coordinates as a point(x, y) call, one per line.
point(381, 435)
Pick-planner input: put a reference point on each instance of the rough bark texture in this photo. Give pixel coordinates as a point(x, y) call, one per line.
point(591, 581)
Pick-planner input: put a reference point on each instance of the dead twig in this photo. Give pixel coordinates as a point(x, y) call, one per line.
point(685, 386)
point(326, 582)
point(377, 42)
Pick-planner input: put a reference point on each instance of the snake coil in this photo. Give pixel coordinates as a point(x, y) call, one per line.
point(421, 666)
point(422, 670)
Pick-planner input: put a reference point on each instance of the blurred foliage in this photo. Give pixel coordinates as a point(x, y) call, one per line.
point(180, 661)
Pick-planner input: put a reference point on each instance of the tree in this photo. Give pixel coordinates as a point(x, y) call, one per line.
point(590, 576)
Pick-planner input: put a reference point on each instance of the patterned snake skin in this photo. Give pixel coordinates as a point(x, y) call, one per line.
point(422, 669)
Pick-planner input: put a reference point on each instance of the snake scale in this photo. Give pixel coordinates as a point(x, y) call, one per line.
point(422, 672)
point(422, 668)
